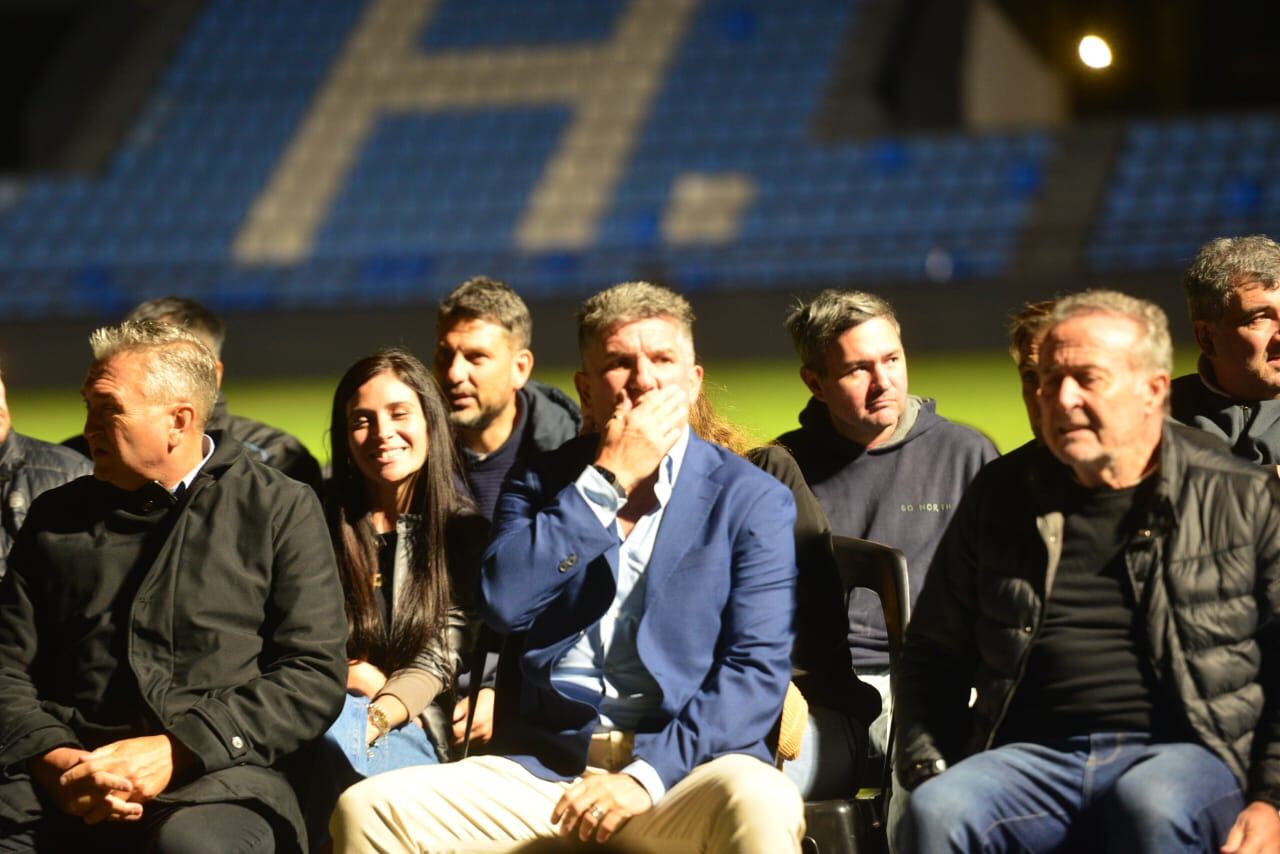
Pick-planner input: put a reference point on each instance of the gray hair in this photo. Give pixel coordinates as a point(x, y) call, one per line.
point(814, 325)
point(181, 365)
point(482, 298)
point(1224, 264)
point(1153, 350)
point(627, 303)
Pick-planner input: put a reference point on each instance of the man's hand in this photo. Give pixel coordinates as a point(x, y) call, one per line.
point(1257, 830)
point(594, 807)
point(97, 796)
point(636, 437)
point(481, 724)
point(364, 678)
point(147, 764)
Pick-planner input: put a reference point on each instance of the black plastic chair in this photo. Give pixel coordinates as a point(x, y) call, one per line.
point(857, 825)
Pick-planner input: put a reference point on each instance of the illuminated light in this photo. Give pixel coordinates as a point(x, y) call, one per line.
point(1095, 52)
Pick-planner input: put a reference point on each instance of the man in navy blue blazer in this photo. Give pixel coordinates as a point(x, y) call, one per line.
point(653, 577)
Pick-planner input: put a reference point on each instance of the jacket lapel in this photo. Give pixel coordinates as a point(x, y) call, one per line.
point(685, 515)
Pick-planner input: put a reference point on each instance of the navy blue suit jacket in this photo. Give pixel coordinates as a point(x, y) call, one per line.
point(718, 621)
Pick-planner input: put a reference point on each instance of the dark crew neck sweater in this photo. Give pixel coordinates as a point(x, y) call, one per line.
point(1088, 670)
point(485, 474)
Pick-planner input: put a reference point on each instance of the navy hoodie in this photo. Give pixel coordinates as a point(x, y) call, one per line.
point(901, 493)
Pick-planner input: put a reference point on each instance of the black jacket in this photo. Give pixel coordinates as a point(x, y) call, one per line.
point(553, 419)
point(236, 639)
point(821, 666)
point(262, 442)
point(1251, 428)
point(29, 467)
point(1204, 562)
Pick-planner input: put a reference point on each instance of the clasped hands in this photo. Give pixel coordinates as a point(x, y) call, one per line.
point(113, 782)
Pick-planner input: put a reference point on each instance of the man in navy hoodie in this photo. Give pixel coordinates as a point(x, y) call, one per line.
point(883, 464)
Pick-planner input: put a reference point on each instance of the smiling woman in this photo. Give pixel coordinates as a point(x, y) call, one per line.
point(408, 546)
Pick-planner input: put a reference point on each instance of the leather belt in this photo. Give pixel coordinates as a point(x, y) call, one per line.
point(610, 750)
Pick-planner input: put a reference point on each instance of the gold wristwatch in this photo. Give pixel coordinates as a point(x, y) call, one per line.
point(379, 720)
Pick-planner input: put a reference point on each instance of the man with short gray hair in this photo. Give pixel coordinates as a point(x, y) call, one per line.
point(881, 461)
point(1112, 594)
point(1233, 298)
point(171, 629)
point(268, 444)
point(652, 575)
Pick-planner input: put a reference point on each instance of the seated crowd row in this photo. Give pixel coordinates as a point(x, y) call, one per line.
point(206, 647)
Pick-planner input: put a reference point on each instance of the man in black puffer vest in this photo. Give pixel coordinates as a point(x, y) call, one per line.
point(1112, 596)
point(28, 467)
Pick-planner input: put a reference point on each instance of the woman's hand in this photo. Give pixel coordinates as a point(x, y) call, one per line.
point(364, 679)
point(394, 711)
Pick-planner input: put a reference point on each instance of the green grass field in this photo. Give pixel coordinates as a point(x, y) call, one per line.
point(978, 389)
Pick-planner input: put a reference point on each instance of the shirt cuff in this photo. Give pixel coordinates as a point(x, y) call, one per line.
point(644, 774)
point(600, 495)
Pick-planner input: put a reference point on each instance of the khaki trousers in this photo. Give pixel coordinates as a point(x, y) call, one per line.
point(487, 803)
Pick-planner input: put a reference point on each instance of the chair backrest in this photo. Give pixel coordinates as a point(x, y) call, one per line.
point(883, 569)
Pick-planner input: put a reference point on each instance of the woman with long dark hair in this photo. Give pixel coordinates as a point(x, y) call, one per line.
point(408, 543)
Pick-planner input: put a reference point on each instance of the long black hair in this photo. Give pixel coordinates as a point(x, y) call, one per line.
point(435, 495)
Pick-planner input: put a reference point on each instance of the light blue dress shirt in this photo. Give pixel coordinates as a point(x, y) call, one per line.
point(604, 662)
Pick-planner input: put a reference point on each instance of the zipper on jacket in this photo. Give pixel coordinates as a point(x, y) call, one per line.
point(1053, 554)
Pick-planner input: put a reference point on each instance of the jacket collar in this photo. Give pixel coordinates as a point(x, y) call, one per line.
point(686, 513)
point(1048, 478)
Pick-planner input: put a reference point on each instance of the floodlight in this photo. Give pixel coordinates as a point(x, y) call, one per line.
point(1095, 52)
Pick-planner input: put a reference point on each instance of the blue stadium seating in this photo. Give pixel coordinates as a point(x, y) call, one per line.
point(434, 197)
point(1178, 183)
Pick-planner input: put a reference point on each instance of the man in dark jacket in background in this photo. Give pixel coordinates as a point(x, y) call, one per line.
point(1233, 297)
point(1111, 593)
point(883, 464)
point(499, 415)
point(171, 629)
point(263, 442)
point(28, 467)
point(483, 362)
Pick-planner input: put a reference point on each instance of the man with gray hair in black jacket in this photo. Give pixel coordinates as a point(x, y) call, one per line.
point(1233, 298)
point(1111, 592)
point(171, 629)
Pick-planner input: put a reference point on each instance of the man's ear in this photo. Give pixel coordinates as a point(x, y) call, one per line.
point(584, 390)
point(1203, 331)
point(182, 419)
point(217, 369)
point(521, 367)
point(810, 378)
point(1158, 388)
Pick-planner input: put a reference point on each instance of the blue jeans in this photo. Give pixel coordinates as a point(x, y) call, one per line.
point(341, 759)
point(828, 756)
point(1104, 792)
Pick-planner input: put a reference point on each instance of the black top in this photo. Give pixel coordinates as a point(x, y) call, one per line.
point(386, 575)
point(1088, 670)
point(105, 688)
